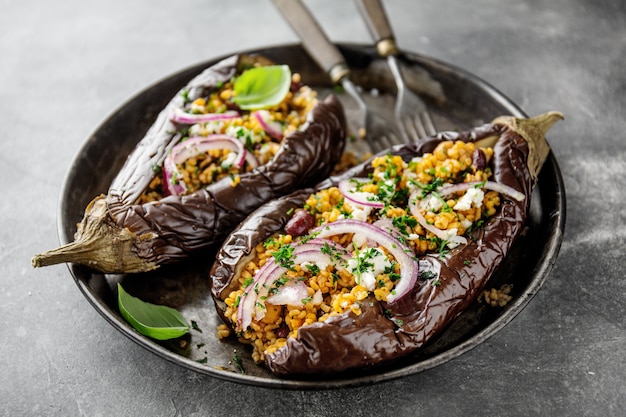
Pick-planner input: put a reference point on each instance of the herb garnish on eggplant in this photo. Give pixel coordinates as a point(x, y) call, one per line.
point(125, 232)
point(405, 281)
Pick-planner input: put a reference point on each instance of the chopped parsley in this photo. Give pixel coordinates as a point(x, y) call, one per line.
point(284, 256)
point(404, 224)
point(332, 252)
point(269, 242)
point(185, 95)
point(313, 269)
point(279, 283)
point(430, 187)
point(394, 277)
point(427, 275)
point(237, 361)
point(443, 247)
point(194, 326)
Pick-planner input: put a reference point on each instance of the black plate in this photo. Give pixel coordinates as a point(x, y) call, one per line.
point(457, 100)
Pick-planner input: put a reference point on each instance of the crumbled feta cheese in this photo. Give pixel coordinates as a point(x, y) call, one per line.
point(431, 203)
point(196, 130)
point(242, 134)
point(360, 213)
point(320, 264)
point(352, 264)
point(472, 196)
point(196, 107)
point(318, 298)
point(452, 239)
point(213, 127)
point(228, 161)
point(410, 175)
point(387, 181)
point(359, 239)
point(208, 128)
point(466, 223)
point(235, 131)
point(450, 233)
point(371, 262)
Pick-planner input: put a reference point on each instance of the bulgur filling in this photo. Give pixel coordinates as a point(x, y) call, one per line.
point(364, 243)
point(260, 132)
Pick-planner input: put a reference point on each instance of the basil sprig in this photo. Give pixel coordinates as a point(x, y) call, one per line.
point(262, 87)
point(152, 320)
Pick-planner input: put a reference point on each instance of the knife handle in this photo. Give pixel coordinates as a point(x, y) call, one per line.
point(378, 24)
point(314, 41)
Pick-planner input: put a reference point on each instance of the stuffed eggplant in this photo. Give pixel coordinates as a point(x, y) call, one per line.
point(368, 266)
point(243, 132)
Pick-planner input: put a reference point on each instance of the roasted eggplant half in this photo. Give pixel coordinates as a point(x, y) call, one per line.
point(243, 132)
point(370, 265)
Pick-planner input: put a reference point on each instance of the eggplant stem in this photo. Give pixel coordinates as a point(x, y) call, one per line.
point(533, 130)
point(100, 244)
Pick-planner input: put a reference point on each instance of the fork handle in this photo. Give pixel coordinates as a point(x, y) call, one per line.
point(314, 41)
point(378, 24)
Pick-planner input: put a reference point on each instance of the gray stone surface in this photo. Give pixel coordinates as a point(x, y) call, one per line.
point(64, 66)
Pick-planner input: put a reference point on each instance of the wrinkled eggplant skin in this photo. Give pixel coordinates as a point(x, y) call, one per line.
point(265, 221)
point(177, 226)
point(137, 172)
point(348, 341)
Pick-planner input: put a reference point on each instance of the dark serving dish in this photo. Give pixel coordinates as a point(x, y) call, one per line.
point(457, 99)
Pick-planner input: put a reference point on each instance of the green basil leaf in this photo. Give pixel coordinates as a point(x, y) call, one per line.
point(262, 87)
point(152, 320)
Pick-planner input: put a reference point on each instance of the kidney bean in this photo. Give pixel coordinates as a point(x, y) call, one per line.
point(300, 223)
point(295, 86)
point(282, 331)
point(479, 160)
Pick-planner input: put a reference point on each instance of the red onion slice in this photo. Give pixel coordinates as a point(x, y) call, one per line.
point(174, 185)
point(490, 185)
point(360, 198)
point(386, 224)
point(178, 115)
point(198, 145)
point(403, 254)
point(445, 235)
point(318, 251)
point(293, 293)
point(272, 127)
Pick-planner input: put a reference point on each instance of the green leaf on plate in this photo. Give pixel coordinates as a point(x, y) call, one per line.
point(152, 320)
point(262, 87)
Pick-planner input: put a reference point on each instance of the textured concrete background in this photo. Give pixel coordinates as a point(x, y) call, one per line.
point(64, 66)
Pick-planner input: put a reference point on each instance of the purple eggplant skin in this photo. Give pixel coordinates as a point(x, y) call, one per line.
point(384, 332)
point(186, 224)
point(118, 235)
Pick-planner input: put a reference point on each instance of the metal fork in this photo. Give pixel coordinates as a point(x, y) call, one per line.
point(378, 133)
point(412, 116)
